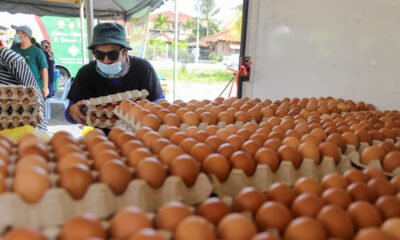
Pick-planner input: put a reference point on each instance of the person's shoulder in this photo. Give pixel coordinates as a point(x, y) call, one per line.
point(87, 69)
point(139, 62)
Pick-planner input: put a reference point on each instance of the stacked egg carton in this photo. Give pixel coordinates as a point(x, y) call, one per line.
point(100, 111)
point(19, 105)
point(333, 207)
point(57, 204)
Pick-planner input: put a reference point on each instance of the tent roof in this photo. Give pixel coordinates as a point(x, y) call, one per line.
point(102, 9)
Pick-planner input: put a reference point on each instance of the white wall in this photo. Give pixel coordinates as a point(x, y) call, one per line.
point(340, 48)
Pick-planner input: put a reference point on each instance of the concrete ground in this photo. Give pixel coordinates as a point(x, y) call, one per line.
point(185, 91)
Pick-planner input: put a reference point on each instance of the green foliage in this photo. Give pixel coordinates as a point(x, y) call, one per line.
point(160, 23)
point(214, 57)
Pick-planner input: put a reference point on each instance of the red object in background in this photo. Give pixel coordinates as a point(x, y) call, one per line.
point(1, 44)
point(241, 72)
point(42, 28)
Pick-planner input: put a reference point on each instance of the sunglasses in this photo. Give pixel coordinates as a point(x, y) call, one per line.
point(112, 55)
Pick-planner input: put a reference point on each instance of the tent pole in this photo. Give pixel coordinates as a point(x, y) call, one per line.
point(83, 33)
point(89, 23)
point(176, 49)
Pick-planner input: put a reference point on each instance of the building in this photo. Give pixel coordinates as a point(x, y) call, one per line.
point(167, 35)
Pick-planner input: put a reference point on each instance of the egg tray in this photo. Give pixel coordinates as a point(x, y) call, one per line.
point(8, 108)
point(355, 158)
point(57, 206)
point(12, 125)
point(18, 92)
point(116, 98)
point(101, 119)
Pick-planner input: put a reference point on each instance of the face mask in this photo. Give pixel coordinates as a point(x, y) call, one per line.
point(16, 38)
point(110, 69)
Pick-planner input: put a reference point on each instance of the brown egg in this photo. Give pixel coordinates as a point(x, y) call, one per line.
point(61, 142)
point(38, 149)
point(235, 140)
point(364, 214)
point(244, 134)
point(217, 165)
point(186, 167)
point(211, 129)
point(127, 222)
point(124, 138)
point(30, 162)
point(265, 236)
point(336, 222)
point(226, 150)
point(116, 175)
point(361, 191)
point(337, 196)
point(266, 216)
point(200, 151)
point(152, 121)
point(307, 185)
point(259, 138)
point(152, 171)
point(267, 156)
point(338, 140)
point(142, 131)
point(372, 233)
point(223, 134)
point(372, 153)
point(391, 161)
point(76, 180)
point(396, 182)
point(82, 227)
point(288, 153)
point(195, 228)
point(150, 137)
point(273, 144)
point(31, 184)
point(99, 148)
point(191, 118)
point(243, 160)
point(388, 206)
point(329, 149)
point(115, 132)
point(107, 155)
point(148, 234)
point(213, 142)
point(236, 226)
point(309, 150)
point(392, 227)
point(355, 175)
point(138, 155)
point(213, 209)
point(387, 146)
point(381, 187)
point(171, 119)
point(310, 138)
point(178, 137)
point(241, 116)
point(291, 141)
point(374, 172)
point(334, 180)
point(4, 155)
point(306, 204)
point(249, 199)
point(305, 228)
point(23, 233)
point(59, 135)
point(159, 144)
point(3, 169)
point(170, 215)
point(129, 146)
point(187, 144)
point(96, 140)
point(281, 193)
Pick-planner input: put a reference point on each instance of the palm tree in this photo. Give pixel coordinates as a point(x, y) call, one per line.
point(160, 23)
point(235, 24)
point(208, 10)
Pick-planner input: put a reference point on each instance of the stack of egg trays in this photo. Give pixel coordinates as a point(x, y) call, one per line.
point(19, 105)
point(100, 110)
point(57, 206)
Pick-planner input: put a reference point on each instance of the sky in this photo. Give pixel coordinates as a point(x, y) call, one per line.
point(188, 7)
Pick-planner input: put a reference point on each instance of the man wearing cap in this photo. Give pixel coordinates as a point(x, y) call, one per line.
point(33, 55)
point(114, 71)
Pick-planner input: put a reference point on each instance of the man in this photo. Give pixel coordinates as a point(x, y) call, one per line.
point(33, 55)
point(114, 71)
point(15, 70)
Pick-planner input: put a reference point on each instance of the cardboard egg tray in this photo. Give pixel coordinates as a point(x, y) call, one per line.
point(100, 110)
point(18, 92)
point(355, 157)
point(57, 206)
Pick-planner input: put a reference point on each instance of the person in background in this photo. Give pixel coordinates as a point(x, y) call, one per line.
point(15, 70)
point(33, 55)
point(114, 71)
point(1, 43)
point(46, 47)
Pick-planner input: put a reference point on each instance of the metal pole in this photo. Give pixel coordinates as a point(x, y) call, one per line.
point(243, 43)
point(83, 33)
point(176, 50)
point(89, 23)
point(197, 55)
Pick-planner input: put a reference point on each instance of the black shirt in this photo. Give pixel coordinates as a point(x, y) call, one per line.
point(89, 83)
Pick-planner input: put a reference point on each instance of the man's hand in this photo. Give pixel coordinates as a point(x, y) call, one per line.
point(45, 92)
point(75, 113)
point(40, 117)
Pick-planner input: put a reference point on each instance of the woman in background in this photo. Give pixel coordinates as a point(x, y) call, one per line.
point(46, 47)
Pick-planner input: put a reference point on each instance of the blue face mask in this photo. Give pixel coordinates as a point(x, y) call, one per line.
point(16, 38)
point(110, 69)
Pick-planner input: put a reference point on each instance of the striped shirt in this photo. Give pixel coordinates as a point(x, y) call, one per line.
point(15, 70)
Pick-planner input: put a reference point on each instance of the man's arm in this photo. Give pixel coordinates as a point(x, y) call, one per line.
point(45, 76)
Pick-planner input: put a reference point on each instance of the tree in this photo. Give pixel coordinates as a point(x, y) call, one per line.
point(160, 23)
point(209, 11)
point(235, 24)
